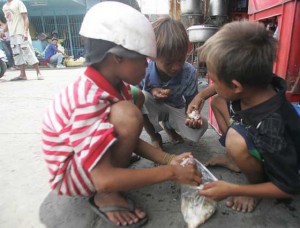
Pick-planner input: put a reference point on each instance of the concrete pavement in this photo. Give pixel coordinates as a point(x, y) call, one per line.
point(26, 200)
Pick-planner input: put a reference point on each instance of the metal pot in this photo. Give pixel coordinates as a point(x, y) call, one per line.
point(218, 7)
point(201, 33)
point(191, 6)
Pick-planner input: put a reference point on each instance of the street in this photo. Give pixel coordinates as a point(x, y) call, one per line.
point(26, 199)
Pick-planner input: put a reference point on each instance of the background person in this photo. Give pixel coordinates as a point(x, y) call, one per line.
point(60, 41)
point(53, 55)
point(18, 27)
point(5, 41)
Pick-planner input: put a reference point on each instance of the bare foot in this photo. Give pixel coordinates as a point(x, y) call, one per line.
point(40, 76)
point(223, 160)
point(157, 141)
point(122, 217)
point(173, 135)
point(242, 203)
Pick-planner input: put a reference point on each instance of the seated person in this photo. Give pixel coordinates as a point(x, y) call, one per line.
point(53, 55)
point(60, 41)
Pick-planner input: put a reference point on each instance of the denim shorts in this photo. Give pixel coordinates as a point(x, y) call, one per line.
point(245, 134)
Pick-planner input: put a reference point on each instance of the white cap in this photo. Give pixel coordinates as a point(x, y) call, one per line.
point(122, 25)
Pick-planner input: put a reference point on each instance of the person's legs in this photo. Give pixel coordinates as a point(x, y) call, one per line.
point(18, 57)
point(128, 129)
point(8, 52)
point(173, 135)
point(221, 113)
point(238, 151)
point(28, 54)
point(22, 71)
point(57, 59)
point(155, 137)
point(38, 72)
point(153, 114)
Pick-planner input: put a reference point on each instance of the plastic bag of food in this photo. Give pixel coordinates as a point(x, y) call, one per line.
point(196, 209)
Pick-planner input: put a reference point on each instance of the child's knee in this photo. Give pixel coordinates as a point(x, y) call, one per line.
point(126, 114)
point(235, 143)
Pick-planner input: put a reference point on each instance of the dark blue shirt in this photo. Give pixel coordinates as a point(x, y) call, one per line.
point(274, 127)
point(51, 49)
point(183, 86)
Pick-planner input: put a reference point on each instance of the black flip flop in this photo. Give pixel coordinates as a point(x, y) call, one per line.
point(134, 158)
point(101, 212)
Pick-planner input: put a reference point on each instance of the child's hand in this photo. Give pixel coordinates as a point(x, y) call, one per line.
point(217, 190)
point(194, 120)
point(160, 94)
point(181, 157)
point(188, 174)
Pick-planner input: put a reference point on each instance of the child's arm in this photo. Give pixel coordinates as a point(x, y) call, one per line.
point(220, 190)
point(108, 178)
point(196, 103)
point(150, 152)
point(195, 106)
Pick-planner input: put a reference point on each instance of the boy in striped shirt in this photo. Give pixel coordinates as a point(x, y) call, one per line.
point(92, 127)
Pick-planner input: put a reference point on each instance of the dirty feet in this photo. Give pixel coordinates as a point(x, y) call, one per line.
point(157, 141)
point(114, 208)
point(223, 160)
point(242, 203)
point(173, 135)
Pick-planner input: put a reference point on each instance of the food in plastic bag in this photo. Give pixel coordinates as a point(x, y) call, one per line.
point(196, 209)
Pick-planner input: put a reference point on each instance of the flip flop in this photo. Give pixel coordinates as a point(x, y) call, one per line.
point(101, 212)
point(19, 78)
point(134, 158)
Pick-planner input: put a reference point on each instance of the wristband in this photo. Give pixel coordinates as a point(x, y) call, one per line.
point(168, 158)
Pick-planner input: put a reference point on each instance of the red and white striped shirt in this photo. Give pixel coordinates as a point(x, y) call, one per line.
point(77, 132)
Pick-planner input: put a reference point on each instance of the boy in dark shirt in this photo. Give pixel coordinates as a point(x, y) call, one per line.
point(263, 138)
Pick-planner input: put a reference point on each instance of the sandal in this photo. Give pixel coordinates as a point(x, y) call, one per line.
point(101, 212)
point(19, 78)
